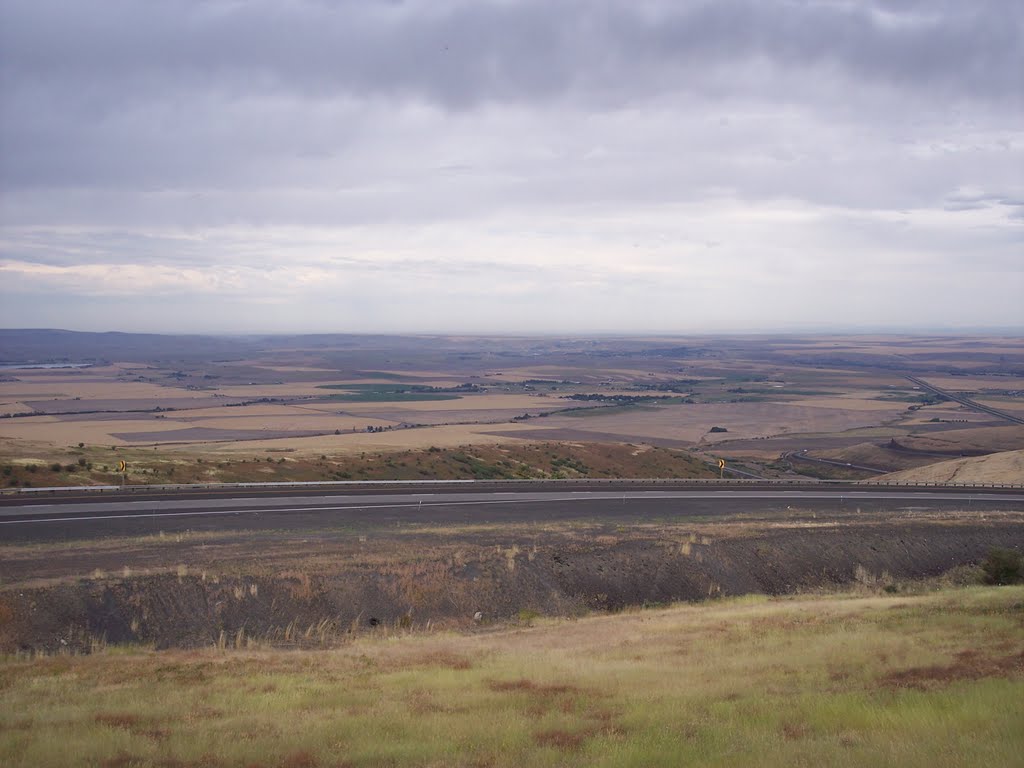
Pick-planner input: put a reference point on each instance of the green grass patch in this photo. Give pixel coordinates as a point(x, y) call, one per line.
point(390, 397)
point(387, 393)
point(381, 375)
point(401, 387)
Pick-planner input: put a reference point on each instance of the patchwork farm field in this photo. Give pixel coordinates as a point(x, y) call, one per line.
point(768, 405)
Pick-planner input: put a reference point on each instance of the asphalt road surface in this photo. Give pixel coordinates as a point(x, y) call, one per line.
point(83, 517)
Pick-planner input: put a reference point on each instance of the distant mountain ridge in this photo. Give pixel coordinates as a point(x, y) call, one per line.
point(54, 345)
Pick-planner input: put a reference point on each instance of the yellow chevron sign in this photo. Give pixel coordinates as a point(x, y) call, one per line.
point(122, 466)
point(721, 463)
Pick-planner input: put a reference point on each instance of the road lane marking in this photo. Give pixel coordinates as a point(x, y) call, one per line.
point(591, 496)
point(208, 512)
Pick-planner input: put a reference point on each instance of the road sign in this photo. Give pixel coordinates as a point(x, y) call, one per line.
point(122, 466)
point(721, 463)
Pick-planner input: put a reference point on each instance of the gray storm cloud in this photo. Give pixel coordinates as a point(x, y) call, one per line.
point(461, 54)
point(586, 154)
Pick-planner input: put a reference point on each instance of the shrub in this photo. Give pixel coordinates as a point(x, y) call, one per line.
point(55, 467)
point(1003, 566)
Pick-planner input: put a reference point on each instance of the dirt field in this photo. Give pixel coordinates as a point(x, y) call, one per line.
point(692, 423)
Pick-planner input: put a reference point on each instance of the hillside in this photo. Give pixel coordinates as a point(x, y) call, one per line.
point(925, 681)
point(1004, 467)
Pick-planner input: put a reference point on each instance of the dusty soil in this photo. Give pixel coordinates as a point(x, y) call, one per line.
point(191, 589)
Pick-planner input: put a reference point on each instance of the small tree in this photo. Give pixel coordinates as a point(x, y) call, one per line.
point(1003, 566)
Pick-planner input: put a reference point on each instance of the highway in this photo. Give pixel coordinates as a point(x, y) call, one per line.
point(802, 456)
point(78, 516)
point(966, 401)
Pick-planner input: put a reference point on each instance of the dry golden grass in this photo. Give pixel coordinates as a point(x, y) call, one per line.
point(51, 430)
point(922, 681)
point(254, 410)
point(851, 403)
point(1004, 404)
point(743, 420)
point(991, 439)
point(965, 383)
point(1005, 467)
point(13, 406)
point(443, 436)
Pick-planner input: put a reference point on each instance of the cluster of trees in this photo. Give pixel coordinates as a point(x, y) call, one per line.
point(627, 399)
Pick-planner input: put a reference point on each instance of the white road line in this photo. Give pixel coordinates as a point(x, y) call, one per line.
point(590, 496)
point(204, 513)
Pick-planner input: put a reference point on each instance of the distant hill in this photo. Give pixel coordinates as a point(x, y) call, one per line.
point(1004, 467)
point(44, 345)
point(50, 345)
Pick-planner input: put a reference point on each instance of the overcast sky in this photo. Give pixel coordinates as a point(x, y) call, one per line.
point(488, 165)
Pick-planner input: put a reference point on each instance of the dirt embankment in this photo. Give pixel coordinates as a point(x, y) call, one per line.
point(598, 573)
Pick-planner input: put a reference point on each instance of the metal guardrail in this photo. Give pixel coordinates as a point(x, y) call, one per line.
point(327, 484)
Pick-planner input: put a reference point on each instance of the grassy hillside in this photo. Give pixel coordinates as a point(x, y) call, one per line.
point(930, 680)
point(97, 466)
point(1005, 467)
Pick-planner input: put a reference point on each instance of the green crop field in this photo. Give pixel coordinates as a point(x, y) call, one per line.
point(390, 397)
point(386, 393)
